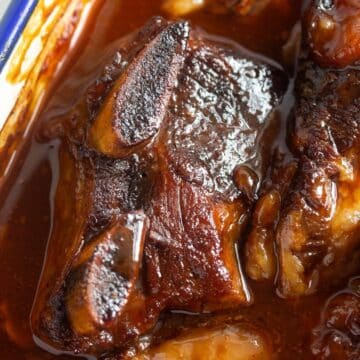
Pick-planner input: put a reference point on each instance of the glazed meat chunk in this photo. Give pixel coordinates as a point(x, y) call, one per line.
point(333, 31)
point(148, 215)
point(315, 203)
point(317, 234)
point(338, 334)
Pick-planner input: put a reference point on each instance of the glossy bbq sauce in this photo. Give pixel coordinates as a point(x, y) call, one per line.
point(26, 216)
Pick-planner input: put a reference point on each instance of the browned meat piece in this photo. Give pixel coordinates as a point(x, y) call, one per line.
point(105, 274)
point(229, 342)
point(147, 83)
point(260, 251)
point(318, 230)
point(338, 335)
point(317, 235)
point(148, 214)
point(333, 30)
point(72, 208)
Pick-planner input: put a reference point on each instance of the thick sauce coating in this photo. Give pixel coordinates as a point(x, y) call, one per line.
point(334, 32)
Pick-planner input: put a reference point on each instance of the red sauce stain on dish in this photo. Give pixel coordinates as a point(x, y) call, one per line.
point(264, 325)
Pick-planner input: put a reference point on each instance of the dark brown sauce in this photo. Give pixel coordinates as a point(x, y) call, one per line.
point(25, 214)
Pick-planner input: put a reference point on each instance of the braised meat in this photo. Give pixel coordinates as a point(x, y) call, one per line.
point(338, 334)
point(334, 32)
point(317, 235)
point(158, 175)
point(319, 224)
point(316, 226)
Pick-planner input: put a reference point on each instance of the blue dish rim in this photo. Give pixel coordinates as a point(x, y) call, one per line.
point(12, 24)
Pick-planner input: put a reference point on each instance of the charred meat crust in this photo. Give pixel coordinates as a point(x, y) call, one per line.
point(161, 161)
